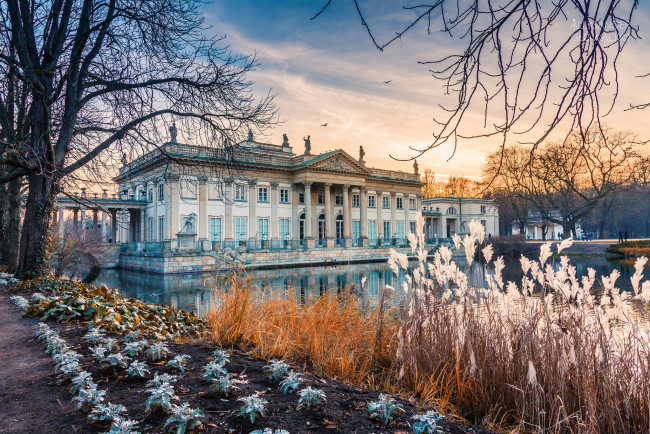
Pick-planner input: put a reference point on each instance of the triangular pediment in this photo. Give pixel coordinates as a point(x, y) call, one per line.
point(337, 161)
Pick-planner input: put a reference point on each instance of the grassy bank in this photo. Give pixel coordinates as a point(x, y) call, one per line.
point(541, 355)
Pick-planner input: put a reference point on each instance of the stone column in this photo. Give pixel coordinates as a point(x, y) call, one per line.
point(328, 210)
point(95, 218)
point(143, 225)
point(393, 221)
point(274, 222)
point(405, 203)
point(295, 212)
point(443, 227)
point(308, 220)
point(202, 221)
point(346, 212)
point(114, 225)
point(104, 239)
point(363, 205)
point(61, 222)
point(227, 200)
point(83, 220)
point(172, 206)
point(252, 209)
point(379, 223)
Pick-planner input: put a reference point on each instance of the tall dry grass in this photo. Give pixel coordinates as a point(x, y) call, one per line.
point(545, 355)
point(332, 335)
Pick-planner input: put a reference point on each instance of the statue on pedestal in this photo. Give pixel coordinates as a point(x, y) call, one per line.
point(188, 227)
point(362, 153)
point(416, 167)
point(307, 145)
point(173, 132)
point(250, 135)
point(285, 140)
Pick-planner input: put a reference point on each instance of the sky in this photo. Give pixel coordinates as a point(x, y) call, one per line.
point(328, 71)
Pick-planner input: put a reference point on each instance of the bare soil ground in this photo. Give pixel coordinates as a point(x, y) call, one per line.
point(31, 401)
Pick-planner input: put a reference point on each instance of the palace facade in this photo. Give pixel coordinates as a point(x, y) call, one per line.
point(445, 216)
point(269, 195)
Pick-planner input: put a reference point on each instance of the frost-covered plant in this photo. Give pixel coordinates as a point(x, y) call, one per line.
point(54, 344)
point(277, 368)
point(132, 336)
point(67, 365)
point(270, 431)
point(89, 397)
point(135, 347)
point(213, 370)
point(38, 297)
point(253, 405)
point(107, 411)
point(99, 352)
point(42, 330)
point(384, 408)
point(221, 356)
point(82, 380)
point(183, 418)
point(310, 397)
point(109, 343)
point(123, 426)
point(426, 423)
point(157, 351)
point(160, 397)
point(291, 382)
point(223, 384)
point(7, 278)
point(158, 380)
point(21, 302)
point(94, 336)
point(137, 369)
point(117, 360)
point(178, 362)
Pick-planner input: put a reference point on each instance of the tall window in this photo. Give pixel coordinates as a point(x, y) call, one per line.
point(150, 194)
point(339, 199)
point(161, 191)
point(412, 227)
point(240, 228)
point(284, 229)
point(356, 230)
point(301, 197)
point(263, 194)
point(263, 228)
point(385, 202)
point(372, 231)
point(320, 198)
point(484, 223)
point(451, 210)
point(284, 195)
point(412, 203)
point(399, 203)
point(386, 231)
point(188, 189)
point(400, 230)
point(215, 228)
point(161, 228)
point(355, 200)
point(150, 229)
point(371, 201)
point(483, 209)
point(240, 192)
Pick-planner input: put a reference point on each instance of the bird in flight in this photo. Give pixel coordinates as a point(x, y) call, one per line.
point(325, 124)
point(387, 81)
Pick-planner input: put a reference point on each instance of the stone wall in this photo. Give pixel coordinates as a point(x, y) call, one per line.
point(200, 262)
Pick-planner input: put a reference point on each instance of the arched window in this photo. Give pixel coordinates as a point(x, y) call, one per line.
point(451, 210)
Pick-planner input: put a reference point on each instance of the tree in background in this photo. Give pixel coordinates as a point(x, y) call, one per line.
point(458, 186)
point(79, 78)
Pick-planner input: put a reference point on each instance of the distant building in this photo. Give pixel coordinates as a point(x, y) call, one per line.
point(445, 216)
point(536, 226)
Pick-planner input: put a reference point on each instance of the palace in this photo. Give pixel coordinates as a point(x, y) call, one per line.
point(265, 196)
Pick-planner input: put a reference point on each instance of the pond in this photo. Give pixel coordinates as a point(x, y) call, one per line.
point(195, 291)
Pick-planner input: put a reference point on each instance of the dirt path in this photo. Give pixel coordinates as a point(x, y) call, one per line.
point(30, 400)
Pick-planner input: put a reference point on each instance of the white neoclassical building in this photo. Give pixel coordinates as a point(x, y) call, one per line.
point(272, 196)
point(445, 216)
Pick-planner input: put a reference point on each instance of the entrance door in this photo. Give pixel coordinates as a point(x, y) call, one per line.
point(301, 226)
point(321, 227)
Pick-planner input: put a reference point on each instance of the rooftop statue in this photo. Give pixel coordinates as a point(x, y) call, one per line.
point(416, 167)
point(307, 145)
point(362, 153)
point(173, 132)
point(285, 140)
point(250, 135)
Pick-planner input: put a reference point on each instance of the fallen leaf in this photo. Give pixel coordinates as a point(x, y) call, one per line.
point(330, 423)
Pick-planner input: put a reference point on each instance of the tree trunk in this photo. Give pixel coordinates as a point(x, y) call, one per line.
point(12, 241)
point(34, 242)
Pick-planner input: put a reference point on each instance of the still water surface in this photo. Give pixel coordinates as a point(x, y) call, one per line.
point(195, 291)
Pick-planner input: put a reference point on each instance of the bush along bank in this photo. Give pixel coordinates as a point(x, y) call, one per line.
point(630, 249)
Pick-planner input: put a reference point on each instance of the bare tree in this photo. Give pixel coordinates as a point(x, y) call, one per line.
point(73, 247)
point(83, 78)
point(529, 66)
